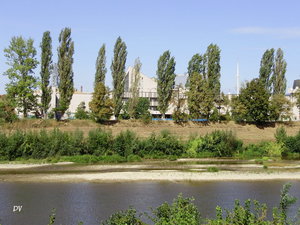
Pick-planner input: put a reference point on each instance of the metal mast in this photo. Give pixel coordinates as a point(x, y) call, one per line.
point(237, 79)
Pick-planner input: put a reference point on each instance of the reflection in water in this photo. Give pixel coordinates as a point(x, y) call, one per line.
point(93, 202)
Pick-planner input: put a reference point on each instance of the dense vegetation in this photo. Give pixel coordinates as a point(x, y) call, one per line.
point(101, 145)
point(183, 211)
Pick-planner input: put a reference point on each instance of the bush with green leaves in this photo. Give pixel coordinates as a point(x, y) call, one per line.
point(7, 110)
point(219, 143)
point(266, 148)
point(125, 143)
point(81, 112)
point(99, 142)
point(126, 217)
point(164, 144)
point(182, 211)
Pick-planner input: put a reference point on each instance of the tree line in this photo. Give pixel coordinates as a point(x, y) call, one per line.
point(261, 99)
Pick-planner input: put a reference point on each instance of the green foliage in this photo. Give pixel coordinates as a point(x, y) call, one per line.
point(126, 217)
point(213, 70)
point(266, 69)
point(212, 169)
point(200, 97)
point(99, 142)
point(21, 59)
point(100, 66)
point(280, 135)
point(134, 158)
point(160, 145)
point(142, 108)
point(46, 69)
point(118, 74)
point(134, 90)
point(180, 117)
point(7, 110)
point(125, 143)
point(101, 105)
point(214, 117)
point(81, 113)
point(182, 211)
point(279, 80)
point(280, 108)
point(270, 149)
point(253, 103)
point(219, 143)
point(52, 217)
point(65, 70)
point(196, 65)
point(165, 80)
point(178, 100)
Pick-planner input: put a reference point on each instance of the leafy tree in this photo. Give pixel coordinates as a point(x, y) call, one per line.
point(81, 112)
point(238, 109)
point(65, 70)
point(124, 217)
point(179, 101)
point(7, 110)
point(46, 69)
point(118, 74)
point(181, 211)
point(100, 66)
point(21, 57)
point(254, 98)
point(165, 81)
point(200, 97)
point(142, 108)
point(135, 89)
point(101, 105)
point(213, 69)
point(196, 65)
point(279, 80)
point(280, 108)
point(267, 68)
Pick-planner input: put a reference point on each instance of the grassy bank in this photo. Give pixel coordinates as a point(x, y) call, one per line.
point(248, 133)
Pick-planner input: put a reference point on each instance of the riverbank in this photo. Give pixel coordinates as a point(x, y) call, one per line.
point(181, 170)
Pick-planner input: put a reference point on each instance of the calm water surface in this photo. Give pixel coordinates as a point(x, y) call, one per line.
point(93, 202)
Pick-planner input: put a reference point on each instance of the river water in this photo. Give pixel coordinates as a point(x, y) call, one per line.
point(93, 202)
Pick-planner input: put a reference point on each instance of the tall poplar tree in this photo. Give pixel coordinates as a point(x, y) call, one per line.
point(135, 88)
point(196, 65)
point(46, 69)
point(100, 66)
point(279, 80)
point(118, 74)
point(213, 69)
point(65, 70)
point(165, 81)
point(21, 57)
point(200, 97)
point(267, 68)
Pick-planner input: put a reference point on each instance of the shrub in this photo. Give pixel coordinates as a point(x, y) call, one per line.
point(220, 143)
point(3, 146)
point(160, 145)
point(123, 217)
point(99, 142)
point(280, 135)
point(181, 211)
point(124, 143)
point(81, 113)
point(14, 144)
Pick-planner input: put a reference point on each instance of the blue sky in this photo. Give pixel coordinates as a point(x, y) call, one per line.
point(242, 29)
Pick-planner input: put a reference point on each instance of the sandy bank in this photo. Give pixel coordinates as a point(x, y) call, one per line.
point(161, 175)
